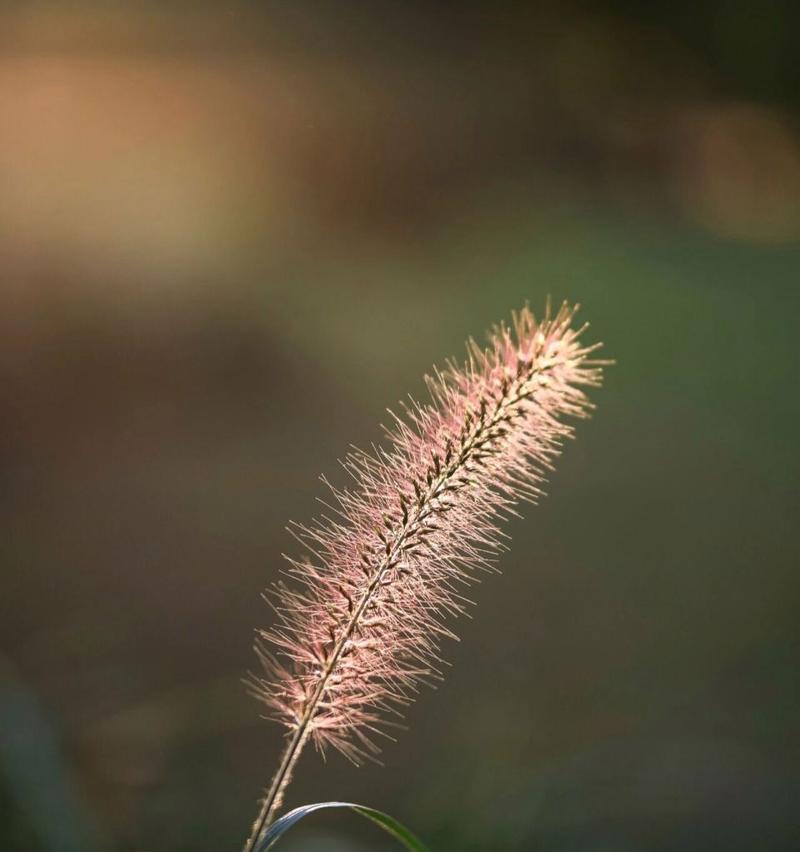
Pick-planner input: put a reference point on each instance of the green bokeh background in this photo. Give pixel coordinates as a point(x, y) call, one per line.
point(175, 378)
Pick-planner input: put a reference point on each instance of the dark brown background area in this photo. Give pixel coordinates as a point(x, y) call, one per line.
point(230, 236)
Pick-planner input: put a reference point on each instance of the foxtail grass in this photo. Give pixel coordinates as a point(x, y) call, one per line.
point(361, 617)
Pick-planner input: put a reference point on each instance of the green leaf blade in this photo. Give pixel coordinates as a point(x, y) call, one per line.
point(389, 824)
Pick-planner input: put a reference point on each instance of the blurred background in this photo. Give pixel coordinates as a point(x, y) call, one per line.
point(230, 236)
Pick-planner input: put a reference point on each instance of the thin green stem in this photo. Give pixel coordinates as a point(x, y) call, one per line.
point(272, 801)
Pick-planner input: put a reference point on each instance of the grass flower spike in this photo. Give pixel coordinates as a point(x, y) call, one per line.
point(361, 619)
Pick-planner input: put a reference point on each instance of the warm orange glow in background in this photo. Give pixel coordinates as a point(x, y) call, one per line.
point(230, 236)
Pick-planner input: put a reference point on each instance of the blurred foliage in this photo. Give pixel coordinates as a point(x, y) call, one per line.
point(230, 238)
